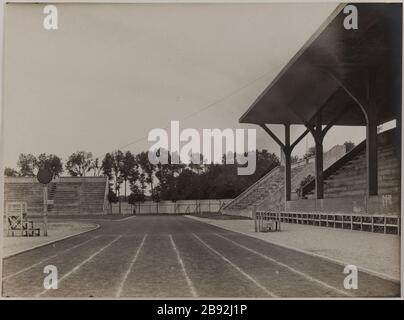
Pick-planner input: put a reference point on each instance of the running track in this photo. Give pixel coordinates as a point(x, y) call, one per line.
point(174, 256)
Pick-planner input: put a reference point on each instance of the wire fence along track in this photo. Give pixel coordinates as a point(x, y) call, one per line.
point(387, 224)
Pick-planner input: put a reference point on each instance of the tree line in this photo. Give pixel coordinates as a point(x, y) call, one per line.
point(141, 180)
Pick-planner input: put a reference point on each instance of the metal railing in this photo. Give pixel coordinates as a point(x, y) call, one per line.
point(387, 224)
point(267, 221)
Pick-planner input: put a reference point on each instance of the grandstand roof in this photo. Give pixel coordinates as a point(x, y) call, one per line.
point(366, 60)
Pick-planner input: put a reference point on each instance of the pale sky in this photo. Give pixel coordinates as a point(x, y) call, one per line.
point(111, 73)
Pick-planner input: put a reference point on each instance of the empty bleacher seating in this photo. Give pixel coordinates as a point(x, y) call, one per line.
point(350, 179)
point(269, 189)
point(25, 189)
point(70, 195)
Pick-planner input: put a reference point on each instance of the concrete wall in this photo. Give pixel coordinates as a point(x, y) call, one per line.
point(276, 201)
point(88, 179)
point(380, 204)
point(329, 157)
point(333, 155)
point(168, 207)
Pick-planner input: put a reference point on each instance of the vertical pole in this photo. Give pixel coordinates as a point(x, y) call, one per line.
point(119, 203)
point(45, 210)
point(254, 216)
point(319, 159)
point(371, 136)
point(288, 164)
point(371, 152)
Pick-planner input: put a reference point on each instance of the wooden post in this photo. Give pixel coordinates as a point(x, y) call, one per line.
point(288, 164)
point(45, 210)
point(260, 222)
point(371, 153)
point(254, 216)
point(318, 138)
point(373, 223)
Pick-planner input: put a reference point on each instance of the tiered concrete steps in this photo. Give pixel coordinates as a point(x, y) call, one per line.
point(80, 195)
point(350, 180)
point(29, 190)
point(92, 197)
point(347, 178)
point(70, 195)
point(67, 198)
point(268, 191)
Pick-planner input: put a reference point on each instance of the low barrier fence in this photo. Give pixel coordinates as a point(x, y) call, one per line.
point(168, 207)
point(267, 221)
point(387, 224)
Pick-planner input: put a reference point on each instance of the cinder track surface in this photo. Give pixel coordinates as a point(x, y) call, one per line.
point(173, 256)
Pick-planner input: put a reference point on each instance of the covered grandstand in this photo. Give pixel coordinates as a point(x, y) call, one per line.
point(342, 77)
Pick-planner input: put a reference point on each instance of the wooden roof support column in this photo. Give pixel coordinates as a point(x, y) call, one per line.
point(318, 136)
point(272, 135)
point(287, 149)
point(288, 159)
point(318, 139)
point(288, 164)
point(371, 152)
point(370, 113)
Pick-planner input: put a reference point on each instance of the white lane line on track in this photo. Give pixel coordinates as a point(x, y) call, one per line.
point(91, 257)
point(300, 273)
point(273, 295)
point(48, 258)
point(124, 219)
point(125, 276)
point(184, 271)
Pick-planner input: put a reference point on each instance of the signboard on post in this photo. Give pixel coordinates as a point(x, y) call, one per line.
point(44, 177)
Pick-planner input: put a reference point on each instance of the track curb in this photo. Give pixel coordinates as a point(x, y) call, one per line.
point(96, 226)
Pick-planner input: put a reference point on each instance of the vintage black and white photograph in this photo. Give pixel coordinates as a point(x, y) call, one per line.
point(201, 150)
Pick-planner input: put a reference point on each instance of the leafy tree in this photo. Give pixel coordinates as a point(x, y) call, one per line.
point(27, 164)
point(112, 197)
point(349, 145)
point(156, 194)
point(79, 163)
point(208, 181)
point(10, 172)
point(167, 178)
point(117, 168)
point(129, 168)
point(50, 162)
point(107, 164)
point(137, 195)
point(187, 185)
point(295, 159)
point(303, 182)
point(310, 152)
point(197, 162)
point(137, 184)
point(266, 161)
point(95, 167)
point(147, 168)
